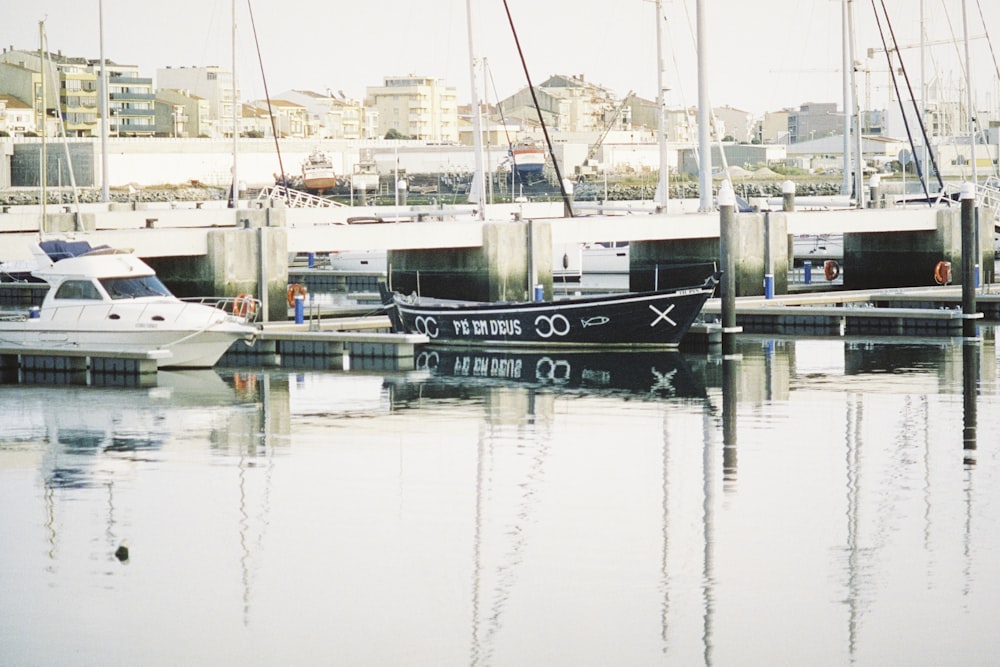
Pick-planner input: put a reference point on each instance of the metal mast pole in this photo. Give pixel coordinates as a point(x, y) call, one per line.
point(477, 136)
point(845, 188)
point(44, 158)
point(236, 127)
point(661, 112)
point(859, 156)
point(104, 108)
point(704, 115)
point(968, 85)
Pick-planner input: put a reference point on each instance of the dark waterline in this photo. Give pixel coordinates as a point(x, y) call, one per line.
point(812, 501)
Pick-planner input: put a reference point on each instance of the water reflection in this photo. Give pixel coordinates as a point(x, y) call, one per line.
point(487, 507)
point(662, 374)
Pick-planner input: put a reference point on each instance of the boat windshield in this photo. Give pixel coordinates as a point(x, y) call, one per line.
point(132, 288)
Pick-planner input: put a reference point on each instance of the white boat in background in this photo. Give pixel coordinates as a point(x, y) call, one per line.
point(365, 175)
point(818, 246)
point(106, 299)
point(318, 173)
point(610, 257)
point(375, 261)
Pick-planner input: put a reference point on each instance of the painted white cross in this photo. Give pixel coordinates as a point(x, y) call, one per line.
point(662, 314)
point(664, 382)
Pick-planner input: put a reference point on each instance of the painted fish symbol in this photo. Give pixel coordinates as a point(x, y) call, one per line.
point(595, 321)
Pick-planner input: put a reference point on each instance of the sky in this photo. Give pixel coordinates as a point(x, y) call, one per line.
point(762, 55)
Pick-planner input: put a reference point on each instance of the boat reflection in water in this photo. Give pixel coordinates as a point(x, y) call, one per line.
point(661, 374)
point(88, 435)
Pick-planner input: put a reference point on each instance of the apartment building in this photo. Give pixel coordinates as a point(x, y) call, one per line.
point(567, 104)
point(213, 84)
point(415, 106)
point(70, 89)
point(131, 100)
point(330, 116)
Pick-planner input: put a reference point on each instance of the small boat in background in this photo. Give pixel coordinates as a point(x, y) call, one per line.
point(627, 320)
point(527, 159)
point(107, 299)
point(318, 173)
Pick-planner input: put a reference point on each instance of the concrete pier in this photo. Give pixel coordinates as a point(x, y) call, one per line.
point(235, 261)
point(513, 258)
point(758, 237)
point(906, 258)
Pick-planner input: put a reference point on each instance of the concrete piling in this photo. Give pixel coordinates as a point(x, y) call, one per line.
point(728, 250)
point(969, 263)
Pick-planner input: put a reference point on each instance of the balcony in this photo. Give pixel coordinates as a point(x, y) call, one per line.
point(130, 80)
point(131, 96)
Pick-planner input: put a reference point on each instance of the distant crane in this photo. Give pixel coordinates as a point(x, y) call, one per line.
point(588, 168)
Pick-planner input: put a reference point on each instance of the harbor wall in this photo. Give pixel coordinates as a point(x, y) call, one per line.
point(762, 248)
point(513, 258)
point(249, 259)
point(876, 260)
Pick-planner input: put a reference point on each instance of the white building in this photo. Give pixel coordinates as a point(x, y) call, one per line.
point(213, 84)
point(16, 117)
point(415, 106)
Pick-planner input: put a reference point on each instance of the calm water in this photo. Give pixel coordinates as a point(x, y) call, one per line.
point(813, 502)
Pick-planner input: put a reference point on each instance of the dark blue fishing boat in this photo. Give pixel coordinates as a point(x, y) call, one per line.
point(629, 320)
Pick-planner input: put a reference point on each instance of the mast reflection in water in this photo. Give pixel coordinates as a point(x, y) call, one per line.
point(833, 496)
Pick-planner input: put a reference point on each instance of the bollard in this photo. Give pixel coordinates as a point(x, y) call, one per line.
point(539, 293)
point(788, 196)
point(873, 187)
point(807, 272)
point(300, 309)
point(768, 285)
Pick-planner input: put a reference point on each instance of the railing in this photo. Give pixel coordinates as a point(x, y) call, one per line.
point(244, 305)
point(295, 198)
point(988, 196)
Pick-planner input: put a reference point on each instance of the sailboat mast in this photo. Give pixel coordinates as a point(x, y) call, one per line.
point(704, 148)
point(859, 156)
point(104, 107)
point(236, 131)
point(479, 185)
point(968, 85)
point(923, 80)
point(44, 158)
point(845, 188)
point(661, 128)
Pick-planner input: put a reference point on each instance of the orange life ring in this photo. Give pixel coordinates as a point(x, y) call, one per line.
point(831, 269)
point(942, 273)
point(244, 305)
point(294, 290)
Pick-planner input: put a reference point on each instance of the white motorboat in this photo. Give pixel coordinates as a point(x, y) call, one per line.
point(108, 299)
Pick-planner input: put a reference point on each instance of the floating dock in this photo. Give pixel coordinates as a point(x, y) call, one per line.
point(934, 311)
point(323, 344)
point(45, 365)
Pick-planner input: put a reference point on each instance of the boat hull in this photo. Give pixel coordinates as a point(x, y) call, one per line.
point(320, 181)
point(196, 336)
point(528, 162)
point(644, 319)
